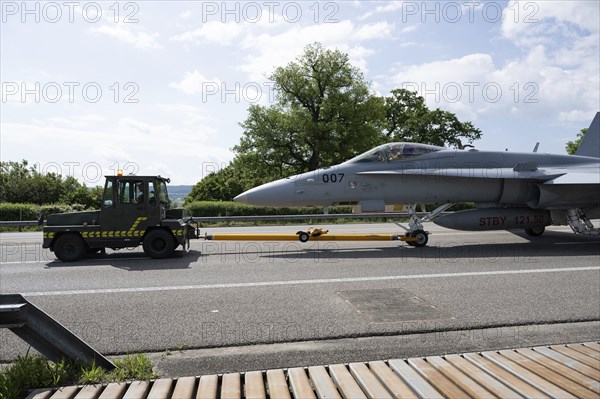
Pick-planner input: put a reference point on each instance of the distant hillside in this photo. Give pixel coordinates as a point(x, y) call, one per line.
point(178, 193)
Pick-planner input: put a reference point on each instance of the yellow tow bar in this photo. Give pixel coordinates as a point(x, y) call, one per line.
point(311, 234)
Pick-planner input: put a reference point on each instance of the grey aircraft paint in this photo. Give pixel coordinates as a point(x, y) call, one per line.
point(567, 186)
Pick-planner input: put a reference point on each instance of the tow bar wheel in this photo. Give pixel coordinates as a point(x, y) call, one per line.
point(303, 236)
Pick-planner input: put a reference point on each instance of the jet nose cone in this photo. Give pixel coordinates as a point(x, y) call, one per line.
point(243, 198)
point(277, 193)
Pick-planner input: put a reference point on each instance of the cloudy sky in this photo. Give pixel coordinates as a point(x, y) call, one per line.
point(159, 87)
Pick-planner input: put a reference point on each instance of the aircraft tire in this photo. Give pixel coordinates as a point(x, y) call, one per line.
point(535, 231)
point(70, 247)
point(158, 244)
point(422, 238)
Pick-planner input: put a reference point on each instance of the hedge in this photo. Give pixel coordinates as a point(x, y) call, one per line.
point(222, 208)
point(17, 212)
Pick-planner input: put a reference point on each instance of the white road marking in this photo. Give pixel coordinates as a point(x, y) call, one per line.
point(315, 281)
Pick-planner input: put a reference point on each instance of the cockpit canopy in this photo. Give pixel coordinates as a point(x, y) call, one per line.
point(392, 152)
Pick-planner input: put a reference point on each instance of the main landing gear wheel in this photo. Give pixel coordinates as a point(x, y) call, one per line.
point(70, 247)
point(421, 238)
point(158, 244)
point(535, 231)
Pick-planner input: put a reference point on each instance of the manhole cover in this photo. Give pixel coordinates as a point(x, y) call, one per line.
point(391, 305)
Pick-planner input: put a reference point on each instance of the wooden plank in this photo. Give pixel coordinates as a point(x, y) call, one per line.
point(161, 389)
point(459, 378)
point(231, 386)
point(391, 381)
point(345, 383)
point(137, 390)
point(113, 391)
point(254, 385)
point(207, 388)
point(278, 388)
point(548, 374)
point(562, 369)
point(567, 361)
point(368, 382)
point(593, 345)
point(300, 384)
point(437, 379)
point(184, 388)
point(484, 379)
point(65, 393)
point(89, 392)
point(44, 393)
point(526, 375)
point(580, 357)
point(324, 385)
point(508, 379)
point(414, 380)
point(585, 350)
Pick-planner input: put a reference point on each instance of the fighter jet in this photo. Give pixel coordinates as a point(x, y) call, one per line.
point(510, 190)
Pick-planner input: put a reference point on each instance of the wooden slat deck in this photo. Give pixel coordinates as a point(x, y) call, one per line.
point(550, 371)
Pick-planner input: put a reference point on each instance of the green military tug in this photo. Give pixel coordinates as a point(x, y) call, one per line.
point(135, 210)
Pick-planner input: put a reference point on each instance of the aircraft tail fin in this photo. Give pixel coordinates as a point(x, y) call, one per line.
point(590, 145)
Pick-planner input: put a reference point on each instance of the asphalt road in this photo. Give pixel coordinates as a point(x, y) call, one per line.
point(235, 306)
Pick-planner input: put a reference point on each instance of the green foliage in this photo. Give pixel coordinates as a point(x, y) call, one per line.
point(409, 119)
point(216, 208)
point(136, 367)
point(20, 183)
point(572, 146)
point(31, 372)
point(92, 375)
point(324, 114)
point(14, 212)
point(18, 211)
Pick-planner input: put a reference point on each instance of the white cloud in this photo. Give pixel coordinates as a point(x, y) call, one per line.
point(272, 50)
point(75, 121)
point(139, 39)
point(212, 32)
point(195, 82)
point(376, 30)
point(388, 7)
point(557, 77)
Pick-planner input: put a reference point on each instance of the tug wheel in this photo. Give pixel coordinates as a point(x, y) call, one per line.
point(158, 244)
point(421, 238)
point(70, 247)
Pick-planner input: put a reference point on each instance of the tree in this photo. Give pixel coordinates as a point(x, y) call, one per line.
point(324, 114)
point(572, 146)
point(20, 183)
point(409, 119)
point(223, 185)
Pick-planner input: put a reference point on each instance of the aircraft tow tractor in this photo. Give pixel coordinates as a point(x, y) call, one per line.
point(136, 211)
